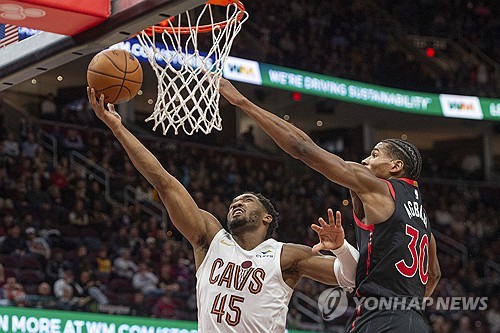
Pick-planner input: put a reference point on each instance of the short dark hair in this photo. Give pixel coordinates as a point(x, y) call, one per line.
point(271, 211)
point(408, 153)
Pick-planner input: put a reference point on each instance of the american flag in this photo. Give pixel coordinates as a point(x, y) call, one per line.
point(8, 34)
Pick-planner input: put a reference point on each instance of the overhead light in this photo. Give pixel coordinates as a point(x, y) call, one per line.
point(319, 123)
point(286, 117)
point(33, 81)
point(59, 78)
point(139, 92)
point(150, 101)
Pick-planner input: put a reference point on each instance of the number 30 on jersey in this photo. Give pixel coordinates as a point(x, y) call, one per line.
point(419, 256)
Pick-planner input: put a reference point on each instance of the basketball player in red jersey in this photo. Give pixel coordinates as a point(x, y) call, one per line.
point(244, 277)
point(398, 258)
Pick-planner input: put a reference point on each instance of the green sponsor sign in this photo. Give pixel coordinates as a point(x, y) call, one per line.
point(454, 106)
point(491, 108)
point(350, 91)
point(23, 320)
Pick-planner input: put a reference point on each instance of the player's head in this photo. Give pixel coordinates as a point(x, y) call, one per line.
point(250, 211)
point(394, 158)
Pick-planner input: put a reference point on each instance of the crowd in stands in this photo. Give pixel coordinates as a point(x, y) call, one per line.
point(362, 41)
point(64, 245)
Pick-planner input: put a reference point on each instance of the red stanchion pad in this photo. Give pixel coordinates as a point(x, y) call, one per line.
point(58, 16)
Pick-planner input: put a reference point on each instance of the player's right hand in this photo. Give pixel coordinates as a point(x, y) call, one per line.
point(110, 117)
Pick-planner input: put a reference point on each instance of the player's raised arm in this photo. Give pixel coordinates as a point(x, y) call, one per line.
point(302, 261)
point(196, 225)
point(300, 146)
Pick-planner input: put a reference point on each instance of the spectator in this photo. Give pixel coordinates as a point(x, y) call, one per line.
point(81, 263)
point(168, 278)
point(14, 291)
point(29, 147)
point(120, 239)
point(3, 298)
point(247, 137)
point(139, 306)
point(28, 126)
point(91, 288)
point(43, 298)
point(464, 325)
point(102, 263)
point(13, 242)
point(64, 283)
point(37, 196)
point(146, 281)
point(123, 266)
point(70, 295)
point(95, 192)
point(99, 217)
point(59, 177)
point(440, 325)
point(143, 192)
point(73, 141)
point(493, 315)
point(135, 242)
point(48, 108)
point(37, 245)
point(78, 215)
point(8, 222)
point(154, 251)
point(11, 146)
point(164, 307)
point(56, 267)
point(67, 301)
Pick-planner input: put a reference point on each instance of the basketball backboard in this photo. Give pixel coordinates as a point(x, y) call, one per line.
point(44, 51)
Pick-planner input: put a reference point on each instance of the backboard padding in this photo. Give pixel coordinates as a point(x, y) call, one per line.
point(37, 54)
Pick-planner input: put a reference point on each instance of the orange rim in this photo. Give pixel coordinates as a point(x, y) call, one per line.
point(164, 25)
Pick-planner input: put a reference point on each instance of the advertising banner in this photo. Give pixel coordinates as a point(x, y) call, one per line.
point(23, 320)
point(444, 105)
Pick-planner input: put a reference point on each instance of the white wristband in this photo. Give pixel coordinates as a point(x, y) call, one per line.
point(340, 250)
point(345, 265)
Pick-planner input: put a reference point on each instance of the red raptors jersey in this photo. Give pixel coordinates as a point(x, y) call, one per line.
point(393, 255)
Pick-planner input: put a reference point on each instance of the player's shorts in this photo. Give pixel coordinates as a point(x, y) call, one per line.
point(388, 321)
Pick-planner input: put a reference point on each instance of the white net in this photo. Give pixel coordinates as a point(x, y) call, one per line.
point(188, 79)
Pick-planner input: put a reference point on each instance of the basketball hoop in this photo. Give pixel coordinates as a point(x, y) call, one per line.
point(188, 79)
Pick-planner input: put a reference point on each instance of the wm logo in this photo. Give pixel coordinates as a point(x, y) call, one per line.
point(241, 69)
point(461, 106)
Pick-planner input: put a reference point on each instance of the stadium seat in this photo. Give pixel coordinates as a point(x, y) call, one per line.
point(27, 276)
point(10, 272)
point(120, 285)
point(30, 262)
point(9, 260)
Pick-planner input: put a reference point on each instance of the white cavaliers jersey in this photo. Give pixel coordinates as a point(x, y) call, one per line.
point(241, 291)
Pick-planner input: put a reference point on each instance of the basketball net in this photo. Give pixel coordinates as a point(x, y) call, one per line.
point(188, 79)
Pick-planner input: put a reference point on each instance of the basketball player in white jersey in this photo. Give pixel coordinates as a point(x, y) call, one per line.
point(244, 278)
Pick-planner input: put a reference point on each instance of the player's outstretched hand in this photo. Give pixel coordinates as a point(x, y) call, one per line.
point(229, 92)
point(110, 117)
point(331, 236)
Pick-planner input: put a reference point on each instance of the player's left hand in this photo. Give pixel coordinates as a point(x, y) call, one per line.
point(331, 236)
point(229, 92)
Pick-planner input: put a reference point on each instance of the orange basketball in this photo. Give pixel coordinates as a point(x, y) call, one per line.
point(115, 73)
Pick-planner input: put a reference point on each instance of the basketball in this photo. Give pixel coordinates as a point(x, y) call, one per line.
point(115, 73)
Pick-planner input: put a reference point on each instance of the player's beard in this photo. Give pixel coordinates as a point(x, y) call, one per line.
point(242, 224)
